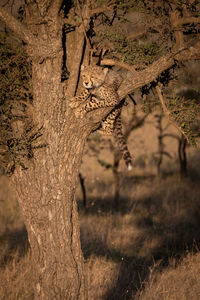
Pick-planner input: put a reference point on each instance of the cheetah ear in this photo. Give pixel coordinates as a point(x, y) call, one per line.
point(82, 67)
point(105, 70)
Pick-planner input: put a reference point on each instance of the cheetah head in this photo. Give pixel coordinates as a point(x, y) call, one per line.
point(93, 76)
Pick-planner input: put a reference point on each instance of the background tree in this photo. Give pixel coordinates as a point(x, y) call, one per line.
point(161, 153)
point(59, 35)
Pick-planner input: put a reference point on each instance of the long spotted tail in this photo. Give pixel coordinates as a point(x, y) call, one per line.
point(121, 142)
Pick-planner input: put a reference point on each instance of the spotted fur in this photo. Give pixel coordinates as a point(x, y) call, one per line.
point(101, 87)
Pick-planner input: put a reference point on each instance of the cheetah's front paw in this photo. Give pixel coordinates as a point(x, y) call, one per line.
point(73, 104)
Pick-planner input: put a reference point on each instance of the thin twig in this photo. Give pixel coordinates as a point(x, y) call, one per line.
point(135, 36)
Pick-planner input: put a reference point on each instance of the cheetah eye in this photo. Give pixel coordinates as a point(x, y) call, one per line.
point(92, 77)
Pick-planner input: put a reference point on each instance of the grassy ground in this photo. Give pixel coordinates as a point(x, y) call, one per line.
point(147, 248)
point(174, 283)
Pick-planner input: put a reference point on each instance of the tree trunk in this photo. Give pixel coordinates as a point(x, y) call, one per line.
point(46, 190)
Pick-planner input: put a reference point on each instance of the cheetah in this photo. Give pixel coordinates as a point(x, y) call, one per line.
point(101, 85)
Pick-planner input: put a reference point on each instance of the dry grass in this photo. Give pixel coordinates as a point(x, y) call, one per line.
point(102, 276)
point(180, 283)
point(158, 224)
point(17, 278)
point(135, 252)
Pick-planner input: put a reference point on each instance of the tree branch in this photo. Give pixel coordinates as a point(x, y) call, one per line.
point(78, 50)
point(84, 20)
point(175, 19)
point(188, 20)
point(141, 78)
point(112, 62)
point(20, 29)
point(103, 8)
point(168, 113)
point(74, 72)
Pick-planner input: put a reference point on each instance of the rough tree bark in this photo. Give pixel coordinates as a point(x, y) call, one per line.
point(46, 189)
